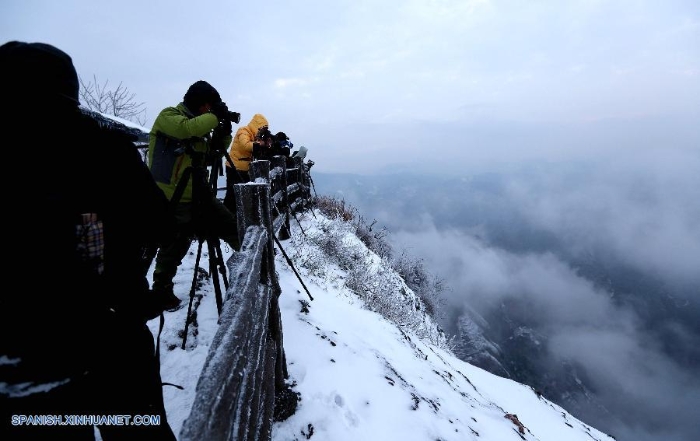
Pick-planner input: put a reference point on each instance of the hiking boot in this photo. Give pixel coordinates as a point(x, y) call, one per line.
point(158, 301)
point(166, 299)
point(171, 302)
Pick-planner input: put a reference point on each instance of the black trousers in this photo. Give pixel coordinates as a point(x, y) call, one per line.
point(233, 177)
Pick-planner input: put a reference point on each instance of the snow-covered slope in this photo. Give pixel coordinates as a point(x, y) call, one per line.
point(359, 375)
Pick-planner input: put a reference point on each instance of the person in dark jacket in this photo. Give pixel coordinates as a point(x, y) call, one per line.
point(73, 332)
point(184, 140)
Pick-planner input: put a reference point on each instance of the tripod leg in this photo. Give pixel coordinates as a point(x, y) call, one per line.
point(220, 263)
point(192, 291)
point(213, 264)
point(291, 264)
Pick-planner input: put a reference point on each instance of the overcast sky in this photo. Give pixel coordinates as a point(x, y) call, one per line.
point(367, 85)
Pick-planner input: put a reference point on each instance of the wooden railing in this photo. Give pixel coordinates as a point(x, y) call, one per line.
point(246, 368)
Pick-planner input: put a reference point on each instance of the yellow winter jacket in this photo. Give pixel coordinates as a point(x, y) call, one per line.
point(241, 150)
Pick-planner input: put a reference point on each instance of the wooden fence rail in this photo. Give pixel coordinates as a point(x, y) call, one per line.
point(246, 368)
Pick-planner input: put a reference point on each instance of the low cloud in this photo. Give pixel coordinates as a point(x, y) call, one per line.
point(606, 257)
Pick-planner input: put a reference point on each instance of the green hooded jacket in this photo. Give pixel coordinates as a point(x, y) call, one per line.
point(174, 131)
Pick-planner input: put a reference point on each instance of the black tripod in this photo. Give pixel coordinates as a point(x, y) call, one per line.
point(203, 191)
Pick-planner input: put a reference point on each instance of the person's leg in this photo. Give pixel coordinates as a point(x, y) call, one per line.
point(130, 384)
point(168, 260)
point(223, 224)
point(233, 177)
point(170, 256)
point(230, 197)
point(243, 176)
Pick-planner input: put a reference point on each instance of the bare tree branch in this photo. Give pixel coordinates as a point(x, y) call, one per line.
point(119, 102)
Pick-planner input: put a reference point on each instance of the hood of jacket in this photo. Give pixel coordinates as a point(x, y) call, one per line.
point(241, 150)
point(256, 122)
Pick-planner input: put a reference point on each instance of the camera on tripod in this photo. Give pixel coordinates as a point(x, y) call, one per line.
point(279, 144)
point(264, 135)
point(224, 115)
point(281, 141)
point(234, 117)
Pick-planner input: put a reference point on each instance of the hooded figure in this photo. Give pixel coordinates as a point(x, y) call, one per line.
point(43, 76)
point(199, 94)
point(182, 142)
point(241, 151)
point(180, 131)
point(243, 148)
point(75, 339)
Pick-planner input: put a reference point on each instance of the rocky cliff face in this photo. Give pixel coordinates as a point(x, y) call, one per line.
point(511, 342)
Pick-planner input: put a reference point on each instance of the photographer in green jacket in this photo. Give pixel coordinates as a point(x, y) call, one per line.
point(184, 141)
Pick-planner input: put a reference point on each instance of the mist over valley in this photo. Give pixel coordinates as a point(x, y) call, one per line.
point(578, 278)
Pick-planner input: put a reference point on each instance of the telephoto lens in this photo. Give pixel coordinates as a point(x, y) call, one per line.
point(234, 117)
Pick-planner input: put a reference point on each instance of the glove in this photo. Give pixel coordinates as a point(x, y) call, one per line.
point(220, 110)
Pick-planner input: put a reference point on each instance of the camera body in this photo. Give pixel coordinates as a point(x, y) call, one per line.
point(263, 134)
point(279, 143)
point(224, 115)
point(234, 117)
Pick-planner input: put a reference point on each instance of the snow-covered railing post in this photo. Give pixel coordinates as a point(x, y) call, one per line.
point(246, 365)
point(259, 170)
point(280, 196)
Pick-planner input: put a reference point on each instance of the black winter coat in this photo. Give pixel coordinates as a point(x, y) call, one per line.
point(57, 308)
